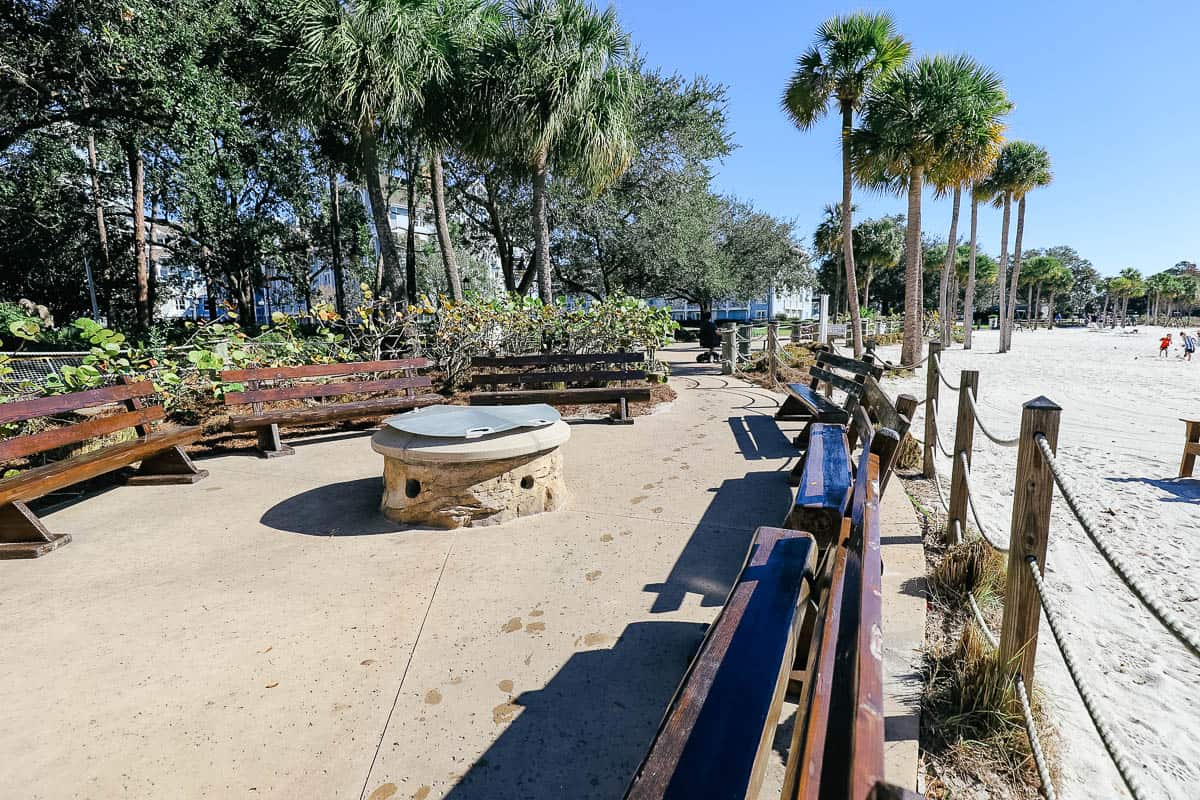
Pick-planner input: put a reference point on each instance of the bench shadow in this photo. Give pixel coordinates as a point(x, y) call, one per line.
point(585, 732)
point(758, 437)
point(1182, 490)
point(350, 508)
point(714, 554)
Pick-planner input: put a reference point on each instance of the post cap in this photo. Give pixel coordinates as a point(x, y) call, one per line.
point(1043, 404)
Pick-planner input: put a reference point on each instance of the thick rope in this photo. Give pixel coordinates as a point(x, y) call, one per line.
point(890, 367)
point(1085, 694)
point(1152, 604)
point(982, 623)
point(937, 363)
point(937, 435)
point(1000, 548)
point(979, 421)
point(1035, 743)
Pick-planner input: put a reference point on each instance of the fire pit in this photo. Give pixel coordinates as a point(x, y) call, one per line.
point(453, 467)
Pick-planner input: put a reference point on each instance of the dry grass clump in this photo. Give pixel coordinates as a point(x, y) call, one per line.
point(971, 567)
point(910, 455)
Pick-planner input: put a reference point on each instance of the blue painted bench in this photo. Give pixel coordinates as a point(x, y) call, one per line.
point(717, 735)
point(814, 403)
point(824, 482)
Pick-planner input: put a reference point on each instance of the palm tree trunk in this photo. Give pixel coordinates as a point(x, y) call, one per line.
point(541, 230)
point(137, 180)
point(410, 234)
point(1016, 274)
point(393, 274)
point(969, 294)
point(947, 269)
point(438, 191)
point(335, 243)
point(911, 351)
point(1037, 304)
point(1050, 316)
point(867, 291)
point(101, 225)
point(848, 228)
point(1002, 278)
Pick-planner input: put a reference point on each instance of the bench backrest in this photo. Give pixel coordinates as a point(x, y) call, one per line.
point(884, 415)
point(842, 373)
point(559, 368)
point(298, 382)
point(131, 394)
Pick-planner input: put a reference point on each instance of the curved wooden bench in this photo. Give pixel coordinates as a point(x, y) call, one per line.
point(563, 368)
point(265, 385)
point(162, 461)
point(813, 403)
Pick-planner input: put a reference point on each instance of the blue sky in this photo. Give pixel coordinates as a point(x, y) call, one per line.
point(1112, 90)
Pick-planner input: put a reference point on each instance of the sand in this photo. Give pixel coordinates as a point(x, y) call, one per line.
point(1120, 443)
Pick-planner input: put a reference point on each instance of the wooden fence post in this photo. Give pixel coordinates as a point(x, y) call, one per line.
point(1030, 533)
point(931, 398)
point(773, 351)
point(964, 442)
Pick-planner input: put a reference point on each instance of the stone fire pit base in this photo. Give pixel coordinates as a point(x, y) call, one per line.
point(457, 483)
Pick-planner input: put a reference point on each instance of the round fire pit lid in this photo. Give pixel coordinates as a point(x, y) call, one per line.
point(473, 422)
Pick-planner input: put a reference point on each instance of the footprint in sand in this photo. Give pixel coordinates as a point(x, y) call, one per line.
point(505, 686)
point(537, 612)
point(594, 575)
point(641, 498)
point(648, 487)
point(512, 626)
point(384, 792)
point(535, 627)
point(504, 713)
point(433, 697)
point(595, 639)
point(422, 793)
point(608, 537)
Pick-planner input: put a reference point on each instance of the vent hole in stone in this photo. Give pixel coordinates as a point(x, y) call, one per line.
point(412, 488)
point(527, 482)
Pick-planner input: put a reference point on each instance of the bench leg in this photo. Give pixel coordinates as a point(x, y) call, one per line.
point(270, 445)
point(792, 409)
point(171, 466)
point(22, 534)
point(1187, 467)
point(622, 417)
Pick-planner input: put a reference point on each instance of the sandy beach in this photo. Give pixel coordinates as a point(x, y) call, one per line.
point(1120, 442)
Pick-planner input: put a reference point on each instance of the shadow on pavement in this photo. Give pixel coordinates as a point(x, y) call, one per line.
point(717, 548)
point(584, 734)
point(758, 437)
point(339, 509)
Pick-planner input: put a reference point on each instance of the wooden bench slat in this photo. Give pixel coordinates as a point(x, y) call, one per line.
point(21, 410)
point(553, 359)
point(19, 446)
point(332, 413)
point(854, 365)
point(322, 370)
point(867, 759)
point(820, 405)
point(562, 396)
point(512, 378)
point(852, 388)
point(315, 390)
point(718, 733)
point(40, 481)
point(881, 408)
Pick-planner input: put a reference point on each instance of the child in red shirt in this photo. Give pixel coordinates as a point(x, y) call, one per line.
point(1164, 346)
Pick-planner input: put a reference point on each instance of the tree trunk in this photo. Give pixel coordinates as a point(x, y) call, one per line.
point(101, 225)
point(410, 233)
point(947, 270)
point(1016, 275)
point(541, 230)
point(1029, 303)
point(1002, 278)
point(848, 229)
point(867, 291)
point(393, 274)
point(969, 294)
point(137, 180)
point(503, 246)
point(1050, 316)
point(438, 193)
point(335, 231)
point(1037, 304)
point(911, 351)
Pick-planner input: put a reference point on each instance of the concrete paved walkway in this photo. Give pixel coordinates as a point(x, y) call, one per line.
point(266, 633)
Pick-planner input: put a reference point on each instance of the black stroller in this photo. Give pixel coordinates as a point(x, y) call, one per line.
point(710, 340)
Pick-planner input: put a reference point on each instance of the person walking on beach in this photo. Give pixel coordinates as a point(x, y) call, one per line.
point(1164, 346)
point(1189, 345)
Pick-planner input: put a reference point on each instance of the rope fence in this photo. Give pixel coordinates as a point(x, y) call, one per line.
point(1038, 473)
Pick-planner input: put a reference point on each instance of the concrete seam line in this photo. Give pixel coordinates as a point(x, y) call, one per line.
point(411, 655)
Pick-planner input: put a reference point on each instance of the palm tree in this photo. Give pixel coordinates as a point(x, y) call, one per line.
point(849, 55)
point(980, 193)
point(1059, 280)
point(827, 242)
point(975, 149)
point(561, 86)
point(363, 66)
point(878, 244)
point(1034, 277)
point(1024, 167)
point(1130, 285)
point(911, 124)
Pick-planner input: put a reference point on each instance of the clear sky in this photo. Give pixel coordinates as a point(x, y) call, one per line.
point(1111, 89)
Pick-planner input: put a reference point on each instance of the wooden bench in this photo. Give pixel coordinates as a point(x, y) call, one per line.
point(597, 370)
point(824, 482)
point(892, 418)
point(718, 731)
point(265, 385)
point(814, 403)
point(1191, 448)
point(22, 534)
